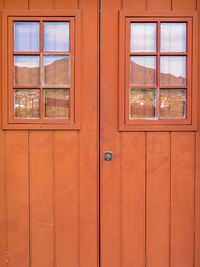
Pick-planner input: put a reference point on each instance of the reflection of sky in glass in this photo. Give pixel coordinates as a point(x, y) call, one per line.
point(56, 36)
point(27, 61)
point(174, 65)
point(50, 59)
point(26, 36)
point(143, 37)
point(173, 37)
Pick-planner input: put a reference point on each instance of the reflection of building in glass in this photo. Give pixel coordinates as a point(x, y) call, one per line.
point(27, 103)
point(142, 103)
point(57, 103)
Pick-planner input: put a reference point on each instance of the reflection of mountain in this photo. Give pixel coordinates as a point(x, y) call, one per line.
point(144, 76)
point(27, 76)
point(57, 72)
point(54, 73)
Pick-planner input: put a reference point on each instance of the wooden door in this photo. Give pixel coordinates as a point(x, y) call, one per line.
point(49, 178)
point(53, 181)
point(149, 201)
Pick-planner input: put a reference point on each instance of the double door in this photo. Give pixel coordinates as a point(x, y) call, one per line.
point(64, 202)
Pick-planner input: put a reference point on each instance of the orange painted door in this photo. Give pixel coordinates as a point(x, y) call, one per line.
point(56, 189)
point(149, 196)
point(49, 178)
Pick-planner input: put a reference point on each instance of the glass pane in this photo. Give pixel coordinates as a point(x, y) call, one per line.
point(143, 37)
point(56, 103)
point(27, 36)
point(27, 103)
point(57, 70)
point(173, 37)
point(143, 70)
point(173, 70)
point(143, 104)
point(56, 36)
point(27, 70)
point(172, 103)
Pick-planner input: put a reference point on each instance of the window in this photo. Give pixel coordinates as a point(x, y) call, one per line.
point(43, 73)
point(157, 73)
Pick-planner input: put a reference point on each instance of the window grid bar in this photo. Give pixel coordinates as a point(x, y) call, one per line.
point(158, 53)
point(158, 69)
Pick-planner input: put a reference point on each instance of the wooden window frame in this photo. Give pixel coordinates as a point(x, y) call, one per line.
point(8, 19)
point(190, 122)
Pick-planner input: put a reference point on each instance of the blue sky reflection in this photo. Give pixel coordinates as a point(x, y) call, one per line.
point(56, 36)
point(27, 36)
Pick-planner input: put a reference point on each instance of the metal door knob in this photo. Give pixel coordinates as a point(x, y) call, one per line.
point(108, 156)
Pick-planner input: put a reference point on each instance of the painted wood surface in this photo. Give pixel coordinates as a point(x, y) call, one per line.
point(150, 192)
point(49, 179)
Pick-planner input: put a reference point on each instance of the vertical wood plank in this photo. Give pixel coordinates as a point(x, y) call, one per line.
point(197, 176)
point(62, 4)
point(159, 5)
point(197, 202)
point(3, 223)
point(41, 198)
point(158, 199)
point(67, 198)
point(133, 199)
point(198, 5)
point(89, 135)
point(182, 199)
point(184, 4)
point(134, 5)
point(17, 186)
point(38, 4)
point(110, 210)
point(15, 4)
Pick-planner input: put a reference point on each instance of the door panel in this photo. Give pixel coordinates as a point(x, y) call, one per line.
point(182, 198)
point(133, 198)
point(149, 193)
point(148, 212)
point(50, 183)
point(158, 199)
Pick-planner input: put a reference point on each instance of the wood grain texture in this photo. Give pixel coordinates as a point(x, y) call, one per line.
point(158, 199)
point(41, 198)
point(133, 199)
point(66, 160)
point(3, 223)
point(110, 138)
point(184, 4)
point(89, 135)
point(159, 5)
point(198, 4)
point(3, 206)
point(17, 187)
point(61, 4)
point(39, 5)
point(182, 199)
point(197, 177)
point(15, 4)
point(197, 202)
point(134, 5)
